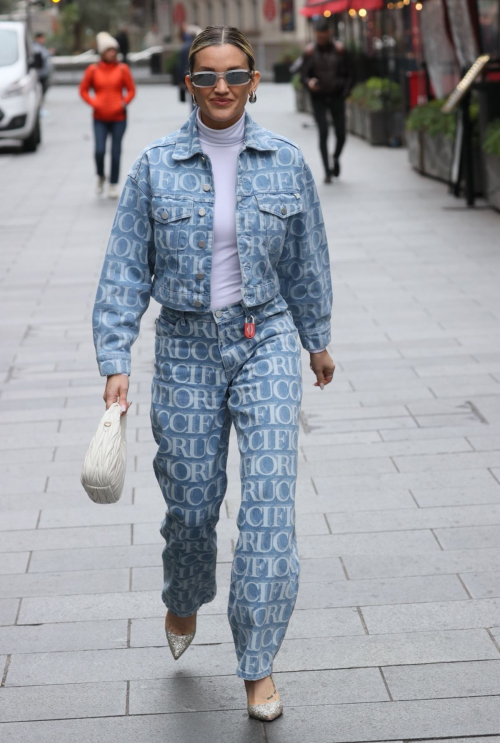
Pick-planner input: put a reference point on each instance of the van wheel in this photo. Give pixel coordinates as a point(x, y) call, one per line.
point(31, 143)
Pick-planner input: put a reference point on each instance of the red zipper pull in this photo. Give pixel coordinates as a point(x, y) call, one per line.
point(249, 327)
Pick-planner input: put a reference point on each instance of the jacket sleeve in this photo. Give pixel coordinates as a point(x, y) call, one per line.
point(126, 280)
point(129, 85)
point(304, 269)
point(86, 84)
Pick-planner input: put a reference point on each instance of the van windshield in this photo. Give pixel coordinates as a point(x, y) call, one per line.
point(9, 51)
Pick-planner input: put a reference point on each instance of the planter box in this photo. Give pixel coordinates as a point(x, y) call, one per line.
point(282, 72)
point(378, 127)
point(437, 156)
point(415, 150)
point(301, 99)
point(432, 156)
point(492, 175)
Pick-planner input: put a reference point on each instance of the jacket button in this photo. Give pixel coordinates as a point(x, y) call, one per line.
point(283, 209)
point(201, 244)
point(164, 215)
point(200, 276)
point(206, 187)
point(197, 303)
point(218, 313)
point(202, 212)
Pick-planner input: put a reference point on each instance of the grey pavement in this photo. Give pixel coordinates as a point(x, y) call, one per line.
point(396, 635)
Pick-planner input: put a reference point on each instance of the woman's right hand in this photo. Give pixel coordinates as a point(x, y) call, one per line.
point(116, 391)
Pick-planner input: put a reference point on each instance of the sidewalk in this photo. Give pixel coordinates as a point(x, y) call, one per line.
point(397, 628)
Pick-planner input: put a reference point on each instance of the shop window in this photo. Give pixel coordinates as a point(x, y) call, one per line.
point(489, 23)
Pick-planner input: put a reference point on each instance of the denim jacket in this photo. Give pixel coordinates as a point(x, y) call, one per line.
point(162, 236)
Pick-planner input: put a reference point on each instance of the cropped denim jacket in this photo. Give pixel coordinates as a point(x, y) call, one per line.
point(162, 236)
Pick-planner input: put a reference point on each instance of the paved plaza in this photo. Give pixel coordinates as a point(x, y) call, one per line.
point(396, 635)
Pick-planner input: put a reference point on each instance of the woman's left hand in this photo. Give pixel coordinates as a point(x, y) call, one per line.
point(323, 366)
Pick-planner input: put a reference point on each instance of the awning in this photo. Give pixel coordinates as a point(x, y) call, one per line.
point(367, 4)
point(313, 7)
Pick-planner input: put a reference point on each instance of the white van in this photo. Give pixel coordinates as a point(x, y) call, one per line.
point(20, 88)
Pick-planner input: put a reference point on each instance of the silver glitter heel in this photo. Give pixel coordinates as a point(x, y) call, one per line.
point(267, 712)
point(178, 644)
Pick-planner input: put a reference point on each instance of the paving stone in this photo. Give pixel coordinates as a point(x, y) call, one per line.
point(337, 545)
point(224, 727)
point(40, 539)
point(415, 518)
point(483, 585)
point(320, 452)
point(64, 584)
point(59, 702)
point(95, 607)
point(386, 566)
point(8, 610)
point(200, 694)
point(15, 562)
point(439, 615)
point(456, 496)
point(127, 556)
point(442, 680)
point(215, 628)
point(92, 516)
point(49, 638)
point(295, 655)
point(385, 591)
point(374, 722)
point(469, 537)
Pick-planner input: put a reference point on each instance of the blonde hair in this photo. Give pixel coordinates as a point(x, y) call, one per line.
point(218, 36)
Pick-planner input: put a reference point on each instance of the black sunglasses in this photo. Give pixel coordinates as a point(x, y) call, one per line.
point(210, 79)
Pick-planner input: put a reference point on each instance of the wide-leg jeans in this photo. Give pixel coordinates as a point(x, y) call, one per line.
point(208, 375)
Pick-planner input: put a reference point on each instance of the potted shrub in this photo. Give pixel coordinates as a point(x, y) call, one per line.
point(491, 159)
point(375, 111)
point(281, 69)
point(301, 94)
point(430, 136)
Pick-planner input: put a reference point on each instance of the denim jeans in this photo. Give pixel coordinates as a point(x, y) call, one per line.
point(207, 376)
point(101, 131)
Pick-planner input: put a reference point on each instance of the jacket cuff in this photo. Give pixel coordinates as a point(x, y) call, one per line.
point(314, 341)
point(114, 366)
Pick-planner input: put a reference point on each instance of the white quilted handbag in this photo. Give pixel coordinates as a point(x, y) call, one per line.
point(103, 472)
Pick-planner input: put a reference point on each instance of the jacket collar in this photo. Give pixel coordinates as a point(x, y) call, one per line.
point(188, 142)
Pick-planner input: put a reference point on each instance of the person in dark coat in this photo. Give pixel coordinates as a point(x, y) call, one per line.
point(326, 74)
point(123, 43)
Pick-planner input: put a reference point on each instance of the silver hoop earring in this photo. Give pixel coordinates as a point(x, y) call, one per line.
point(194, 100)
point(252, 98)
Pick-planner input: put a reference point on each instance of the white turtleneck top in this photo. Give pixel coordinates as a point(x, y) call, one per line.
point(223, 146)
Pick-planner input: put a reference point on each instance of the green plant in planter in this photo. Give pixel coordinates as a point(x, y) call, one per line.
point(171, 63)
point(290, 54)
point(491, 143)
point(377, 94)
point(430, 118)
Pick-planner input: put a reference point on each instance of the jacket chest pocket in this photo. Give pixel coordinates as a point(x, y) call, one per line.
point(276, 213)
point(171, 223)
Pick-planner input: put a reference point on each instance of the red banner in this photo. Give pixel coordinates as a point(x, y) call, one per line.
point(270, 10)
point(179, 15)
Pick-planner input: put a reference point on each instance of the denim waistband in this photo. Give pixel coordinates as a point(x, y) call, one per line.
point(225, 314)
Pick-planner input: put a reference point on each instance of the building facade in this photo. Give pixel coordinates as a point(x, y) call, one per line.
point(276, 28)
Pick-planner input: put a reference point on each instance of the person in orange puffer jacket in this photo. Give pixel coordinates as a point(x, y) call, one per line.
point(108, 79)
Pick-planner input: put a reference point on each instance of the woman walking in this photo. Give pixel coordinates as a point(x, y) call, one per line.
point(220, 222)
point(108, 79)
